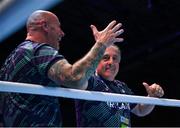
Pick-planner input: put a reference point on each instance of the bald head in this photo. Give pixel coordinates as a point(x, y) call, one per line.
point(36, 19)
point(44, 26)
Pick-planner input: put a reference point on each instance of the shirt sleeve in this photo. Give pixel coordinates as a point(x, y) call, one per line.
point(44, 57)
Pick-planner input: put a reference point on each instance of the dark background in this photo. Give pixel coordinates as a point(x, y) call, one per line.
point(150, 52)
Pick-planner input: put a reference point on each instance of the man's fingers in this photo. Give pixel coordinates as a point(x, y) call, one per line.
point(154, 90)
point(94, 29)
point(110, 34)
point(147, 87)
point(159, 91)
point(110, 25)
point(116, 27)
point(119, 40)
point(119, 32)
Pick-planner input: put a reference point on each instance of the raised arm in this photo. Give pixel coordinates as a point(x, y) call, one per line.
point(77, 75)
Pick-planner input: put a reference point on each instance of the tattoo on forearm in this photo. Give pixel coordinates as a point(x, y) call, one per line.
point(65, 73)
point(91, 60)
point(96, 55)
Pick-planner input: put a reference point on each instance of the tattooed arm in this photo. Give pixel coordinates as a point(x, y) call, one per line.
point(77, 75)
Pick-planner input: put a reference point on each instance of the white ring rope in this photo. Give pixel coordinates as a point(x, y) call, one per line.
point(82, 94)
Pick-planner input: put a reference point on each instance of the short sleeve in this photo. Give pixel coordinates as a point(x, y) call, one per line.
point(44, 57)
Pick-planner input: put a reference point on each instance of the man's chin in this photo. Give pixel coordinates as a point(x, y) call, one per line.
point(109, 76)
point(109, 72)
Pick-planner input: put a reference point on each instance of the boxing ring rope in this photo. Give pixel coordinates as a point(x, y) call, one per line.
point(83, 94)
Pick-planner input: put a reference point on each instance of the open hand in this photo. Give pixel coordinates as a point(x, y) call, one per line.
point(109, 35)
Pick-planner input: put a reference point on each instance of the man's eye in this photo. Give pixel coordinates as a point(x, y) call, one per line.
point(115, 58)
point(105, 58)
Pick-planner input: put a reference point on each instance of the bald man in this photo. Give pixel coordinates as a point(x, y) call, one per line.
point(37, 61)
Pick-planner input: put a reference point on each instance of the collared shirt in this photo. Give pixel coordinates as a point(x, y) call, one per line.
point(104, 114)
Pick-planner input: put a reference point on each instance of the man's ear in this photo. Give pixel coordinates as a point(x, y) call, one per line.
point(45, 26)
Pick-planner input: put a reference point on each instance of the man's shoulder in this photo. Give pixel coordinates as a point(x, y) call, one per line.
point(118, 82)
point(28, 44)
point(123, 85)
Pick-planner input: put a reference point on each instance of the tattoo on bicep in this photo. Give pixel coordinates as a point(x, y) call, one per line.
point(58, 71)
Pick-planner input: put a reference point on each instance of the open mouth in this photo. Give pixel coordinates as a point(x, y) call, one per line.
point(109, 70)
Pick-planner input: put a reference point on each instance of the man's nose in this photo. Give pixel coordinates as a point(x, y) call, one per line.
point(110, 60)
point(62, 33)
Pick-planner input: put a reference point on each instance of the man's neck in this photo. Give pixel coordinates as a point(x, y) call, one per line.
point(36, 37)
